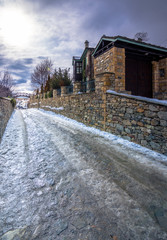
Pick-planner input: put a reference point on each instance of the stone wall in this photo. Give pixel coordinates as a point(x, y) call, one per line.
point(86, 108)
point(6, 110)
point(89, 68)
point(140, 120)
point(160, 79)
point(112, 61)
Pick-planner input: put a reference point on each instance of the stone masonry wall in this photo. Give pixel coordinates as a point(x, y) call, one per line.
point(86, 108)
point(133, 118)
point(137, 120)
point(112, 61)
point(160, 79)
point(6, 110)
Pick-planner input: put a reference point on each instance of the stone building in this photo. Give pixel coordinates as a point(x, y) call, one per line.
point(87, 63)
point(138, 68)
point(83, 67)
point(77, 69)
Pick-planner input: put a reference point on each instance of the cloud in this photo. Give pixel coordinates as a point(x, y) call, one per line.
point(28, 60)
point(24, 87)
point(44, 5)
point(62, 26)
point(19, 81)
point(41, 57)
point(3, 60)
point(18, 65)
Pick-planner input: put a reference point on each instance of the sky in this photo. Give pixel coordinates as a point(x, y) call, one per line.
point(33, 30)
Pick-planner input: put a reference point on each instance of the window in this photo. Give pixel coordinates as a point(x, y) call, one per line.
point(79, 70)
point(162, 72)
point(79, 64)
point(79, 67)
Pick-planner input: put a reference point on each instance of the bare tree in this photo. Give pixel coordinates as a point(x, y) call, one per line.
point(5, 84)
point(41, 72)
point(141, 36)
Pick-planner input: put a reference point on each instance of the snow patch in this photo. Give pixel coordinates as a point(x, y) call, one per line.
point(150, 100)
point(125, 145)
point(54, 108)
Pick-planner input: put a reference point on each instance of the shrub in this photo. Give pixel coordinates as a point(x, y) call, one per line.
point(13, 102)
point(46, 96)
point(50, 94)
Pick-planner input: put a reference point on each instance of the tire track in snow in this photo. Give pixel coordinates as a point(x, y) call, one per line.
point(60, 136)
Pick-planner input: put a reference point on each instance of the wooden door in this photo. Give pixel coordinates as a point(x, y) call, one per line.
point(138, 76)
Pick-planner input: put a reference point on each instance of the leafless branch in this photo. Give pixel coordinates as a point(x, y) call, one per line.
point(41, 72)
point(5, 84)
point(141, 36)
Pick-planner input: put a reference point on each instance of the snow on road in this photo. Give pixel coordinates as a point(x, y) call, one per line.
point(62, 180)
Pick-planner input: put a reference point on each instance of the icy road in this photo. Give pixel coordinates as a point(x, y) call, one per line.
point(61, 180)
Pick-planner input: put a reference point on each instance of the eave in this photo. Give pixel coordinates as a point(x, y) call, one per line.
point(115, 40)
point(76, 59)
point(85, 52)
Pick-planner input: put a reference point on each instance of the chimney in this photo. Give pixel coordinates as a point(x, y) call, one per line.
point(86, 44)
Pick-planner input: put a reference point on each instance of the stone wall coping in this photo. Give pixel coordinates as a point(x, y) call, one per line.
point(143, 99)
point(5, 98)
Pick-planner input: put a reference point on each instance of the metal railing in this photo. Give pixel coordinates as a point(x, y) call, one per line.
point(59, 91)
point(83, 86)
point(69, 89)
point(88, 86)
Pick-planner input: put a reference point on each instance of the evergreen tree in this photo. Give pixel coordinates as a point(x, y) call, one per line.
point(48, 84)
point(60, 78)
point(42, 89)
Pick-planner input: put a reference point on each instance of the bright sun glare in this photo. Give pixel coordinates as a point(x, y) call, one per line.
point(16, 27)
